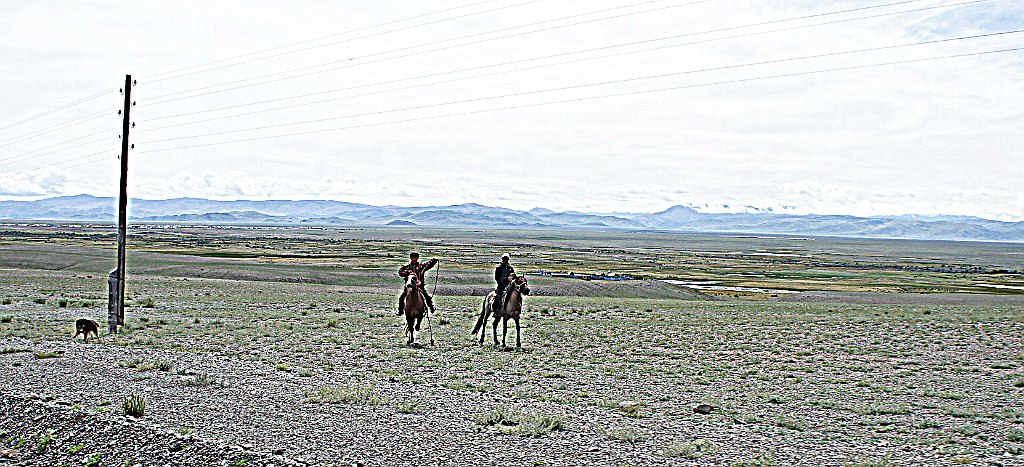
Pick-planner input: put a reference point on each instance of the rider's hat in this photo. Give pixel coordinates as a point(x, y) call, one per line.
point(413, 253)
point(504, 256)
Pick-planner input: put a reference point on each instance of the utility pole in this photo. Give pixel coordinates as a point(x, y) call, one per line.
point(115, 308)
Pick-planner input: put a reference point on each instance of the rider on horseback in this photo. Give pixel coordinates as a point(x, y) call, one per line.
point(503, 275)
point(420, 269)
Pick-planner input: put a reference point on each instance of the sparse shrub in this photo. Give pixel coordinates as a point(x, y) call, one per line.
point(159, 365)
point(332, 323)
point(134, 406)
point(44, 440)
point(528, 424)
point(869, 463)
point(282, 367)
point(444, 321)
point(409, 408)
point(305, 372)
point(1019, 382)
point(881, 409)
point(74, 449)
point(690, 451)
point(7, 301)
point(202, 380)
point(790, 423)
point(1016, 435)
point(63, 303)
point(762, 460)
point(55, 354)
point(626, 434)
point(93, 461)
point(146, 302)
point(347, 395)
point(6, 319)
point(39, 300)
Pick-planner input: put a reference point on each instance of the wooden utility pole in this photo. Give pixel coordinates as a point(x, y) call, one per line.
point(115, 314)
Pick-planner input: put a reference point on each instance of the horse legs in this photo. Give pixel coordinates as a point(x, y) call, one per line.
point(409, 329)
point(518, 346)
point(495, 329)
point(504, 331)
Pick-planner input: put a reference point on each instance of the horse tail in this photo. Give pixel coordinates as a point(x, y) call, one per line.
point(482, 318)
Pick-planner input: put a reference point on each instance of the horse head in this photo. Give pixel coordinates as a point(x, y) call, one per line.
point(412, 281)
point(522, 285)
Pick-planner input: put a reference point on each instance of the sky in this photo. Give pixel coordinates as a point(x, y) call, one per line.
point(594, 106)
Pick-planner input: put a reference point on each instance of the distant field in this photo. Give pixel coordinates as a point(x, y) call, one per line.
point(285, 340)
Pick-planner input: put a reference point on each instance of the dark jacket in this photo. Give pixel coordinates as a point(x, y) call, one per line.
point(501, 274)
point(418, 268)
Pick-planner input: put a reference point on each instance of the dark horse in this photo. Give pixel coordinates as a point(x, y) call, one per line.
point(415, 307)
point(512, 309)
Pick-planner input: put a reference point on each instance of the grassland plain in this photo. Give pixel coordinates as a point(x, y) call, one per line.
point(279, 346)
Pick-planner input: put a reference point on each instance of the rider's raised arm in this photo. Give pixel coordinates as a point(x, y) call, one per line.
point(429, 264)
point(404, 271)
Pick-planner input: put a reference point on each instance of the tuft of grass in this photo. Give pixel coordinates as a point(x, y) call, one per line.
point(1019, 382)
point(282, 367)
point(7, 301)
point(305, 373)
point(134, 406)
point(146, 302)
point(202, 380)
point(55, 354)
point(881, 409)
point(39, 300)
point(790, 423)
point(762, 460)
point(523, 424)
point(363, 395)
point(869, 463)
point(93, 461)
point(1016, 435)
point(409, 408)
point(626, 434)
point(158, 365)
point(9, 350)
point(44, 440)
point(6, 319)
point(63, 303)
point(690, 451)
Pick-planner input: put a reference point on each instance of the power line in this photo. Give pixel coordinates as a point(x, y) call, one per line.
point(156, 101)
point(31, 155)
point(514, 70)
point(349, 40)
point(25, 174)
point(59, 126)
point(664, 75)
point(58, 109)
point(581, 99)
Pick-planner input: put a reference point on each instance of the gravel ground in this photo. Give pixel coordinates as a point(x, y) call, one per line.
point(233, 370)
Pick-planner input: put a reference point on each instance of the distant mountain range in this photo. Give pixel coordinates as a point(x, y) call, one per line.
point(339, 213)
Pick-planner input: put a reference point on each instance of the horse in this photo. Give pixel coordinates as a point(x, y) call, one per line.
point(512, 309)
point(415, 307)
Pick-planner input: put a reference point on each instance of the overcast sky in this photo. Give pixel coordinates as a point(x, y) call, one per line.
point(931, 137)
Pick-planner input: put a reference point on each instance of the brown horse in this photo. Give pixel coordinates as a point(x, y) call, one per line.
point(415, 307)
point(512, 309)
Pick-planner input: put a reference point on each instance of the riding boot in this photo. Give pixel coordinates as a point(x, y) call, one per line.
point(498, 296)
point(430, 302)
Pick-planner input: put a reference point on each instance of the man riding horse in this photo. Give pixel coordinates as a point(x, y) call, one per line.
point(503, 274)
point(420, 269)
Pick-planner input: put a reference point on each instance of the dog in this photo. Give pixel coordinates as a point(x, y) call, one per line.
point(85, 327)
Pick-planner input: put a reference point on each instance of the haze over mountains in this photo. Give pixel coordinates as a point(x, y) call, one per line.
point(339, 213)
